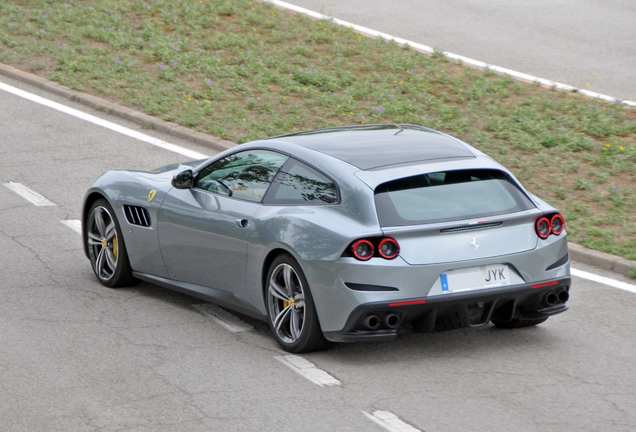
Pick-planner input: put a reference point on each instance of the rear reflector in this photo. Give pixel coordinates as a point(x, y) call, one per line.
point(408, 303)
point(545, 284)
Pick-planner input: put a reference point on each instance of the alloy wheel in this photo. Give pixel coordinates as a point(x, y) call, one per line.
point(286, 303)
point(102, 243)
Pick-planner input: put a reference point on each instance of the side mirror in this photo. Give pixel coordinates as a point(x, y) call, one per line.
point(183, 180)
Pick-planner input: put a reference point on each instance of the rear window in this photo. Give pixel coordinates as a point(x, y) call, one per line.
point(448, 196)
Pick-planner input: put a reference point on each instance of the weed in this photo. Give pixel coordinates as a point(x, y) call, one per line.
point(245, 70)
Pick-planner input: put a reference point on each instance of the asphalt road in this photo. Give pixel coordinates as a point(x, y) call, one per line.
point(575, 42)
point(75, 356)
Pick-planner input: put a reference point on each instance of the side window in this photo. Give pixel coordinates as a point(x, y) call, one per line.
point(245, 175)
point(297, 183)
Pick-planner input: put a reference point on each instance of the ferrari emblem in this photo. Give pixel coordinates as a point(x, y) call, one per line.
point(151, 195)
point(474, 243)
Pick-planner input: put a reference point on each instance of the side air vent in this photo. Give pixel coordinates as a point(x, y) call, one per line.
point(137, 215)
point(471, 227)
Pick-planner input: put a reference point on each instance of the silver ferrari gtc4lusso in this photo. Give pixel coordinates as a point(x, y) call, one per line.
point(343, 234)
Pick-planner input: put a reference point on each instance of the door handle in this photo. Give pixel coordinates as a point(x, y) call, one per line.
point(241, 223)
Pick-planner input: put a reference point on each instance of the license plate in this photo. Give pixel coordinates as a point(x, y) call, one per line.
point(475, 278)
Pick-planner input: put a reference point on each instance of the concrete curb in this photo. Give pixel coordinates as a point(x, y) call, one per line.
point(144, 120)
point(577, 252)
point(601, 259)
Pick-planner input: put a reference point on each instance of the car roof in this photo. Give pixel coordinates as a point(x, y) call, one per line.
point(373, 146)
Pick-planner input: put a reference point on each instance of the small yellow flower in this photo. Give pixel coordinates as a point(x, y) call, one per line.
point(319, 23)
point(450, 115)
point(411, 79)
point(587, 84)
point(252, 8)
point(196, 101)
point(609, 145)
point(620, 148)
point(350, 113)
point(395, 81)
point(604, 149)
point(207, 101)
point(423, 82)
point(333, 35)
point(325, 29)
point(401, 81)
point(284, 98)
point(183, 101)
point(460, 74)
point(305, 89)
point(408, 71)
point(461, 90)
point(506, 103)
point(362, 122)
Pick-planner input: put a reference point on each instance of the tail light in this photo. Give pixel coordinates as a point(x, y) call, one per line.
point(547, 225)
point(362, 250)
point(388, 248)
point(544, 228)
point(557, 224)
point(365, 249)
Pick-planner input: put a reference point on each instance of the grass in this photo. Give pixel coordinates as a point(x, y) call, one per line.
point(244, 70)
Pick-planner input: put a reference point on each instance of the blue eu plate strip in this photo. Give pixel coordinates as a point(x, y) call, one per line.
point(444, 282)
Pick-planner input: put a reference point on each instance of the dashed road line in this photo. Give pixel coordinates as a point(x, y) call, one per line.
point(308, 370)
point(104, 123)
point(223, 318)
point(603, 280)
point(390, 421)
point(29, 194)
point(74, 224)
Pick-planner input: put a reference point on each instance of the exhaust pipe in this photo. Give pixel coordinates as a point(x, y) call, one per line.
point(372, 322)
point(391, 320)
point(551, 299)
point(563, 296)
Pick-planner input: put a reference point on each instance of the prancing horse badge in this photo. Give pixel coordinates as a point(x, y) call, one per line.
point(151, 195)
point(474, 243)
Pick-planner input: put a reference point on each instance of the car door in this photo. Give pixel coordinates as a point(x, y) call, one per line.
point(204, 229)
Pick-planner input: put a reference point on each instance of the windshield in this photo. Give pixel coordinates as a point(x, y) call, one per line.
point(448, 196)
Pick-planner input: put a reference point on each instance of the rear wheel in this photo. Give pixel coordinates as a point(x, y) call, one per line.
point(290, 308)
point(518, 323)
point(106, 248)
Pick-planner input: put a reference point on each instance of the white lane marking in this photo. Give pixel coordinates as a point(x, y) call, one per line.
point(308, 370)
point(390, 421)
point(223, 317)
point(29, 194)
point(74, 224)
point(104, 123)
point(604, 280)
point(472, 62)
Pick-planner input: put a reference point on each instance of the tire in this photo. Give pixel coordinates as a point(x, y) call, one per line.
point(518, 323)
point(290, 308)
point(106, 248)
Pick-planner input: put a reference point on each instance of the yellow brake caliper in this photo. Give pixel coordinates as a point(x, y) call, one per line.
point(115, 247)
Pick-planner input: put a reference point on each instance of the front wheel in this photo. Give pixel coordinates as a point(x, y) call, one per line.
point(290, 308)
point(518, 323)
point(106, 248)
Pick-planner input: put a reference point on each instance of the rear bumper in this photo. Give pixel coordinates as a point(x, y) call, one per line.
point(453, 311)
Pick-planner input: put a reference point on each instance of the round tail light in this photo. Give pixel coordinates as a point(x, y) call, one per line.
point(362, 250)
point(557, 224)
point(543, 228)
point(388, 248)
